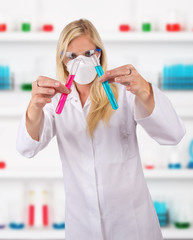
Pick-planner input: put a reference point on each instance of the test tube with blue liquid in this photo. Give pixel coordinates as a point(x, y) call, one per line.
point(105, 84)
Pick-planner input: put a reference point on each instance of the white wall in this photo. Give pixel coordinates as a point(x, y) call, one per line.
point(105, 14)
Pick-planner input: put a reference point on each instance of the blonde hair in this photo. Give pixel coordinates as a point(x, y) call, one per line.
point(100, 108)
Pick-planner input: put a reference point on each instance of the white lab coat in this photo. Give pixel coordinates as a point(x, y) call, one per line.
point(106, 193)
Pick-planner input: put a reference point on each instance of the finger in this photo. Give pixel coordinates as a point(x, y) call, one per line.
point(111, 80)
point(132, 87)
point(44, 91)
point(40, 101)
point(125, 80)
point(123, 70)
point(46, 82)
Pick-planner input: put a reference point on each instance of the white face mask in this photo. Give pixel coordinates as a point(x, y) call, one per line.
point(86, 72)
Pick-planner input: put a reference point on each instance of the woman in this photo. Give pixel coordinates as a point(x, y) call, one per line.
point(106, 194)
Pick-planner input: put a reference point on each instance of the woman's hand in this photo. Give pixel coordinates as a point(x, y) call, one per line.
point(128, 76)
point(43, 90)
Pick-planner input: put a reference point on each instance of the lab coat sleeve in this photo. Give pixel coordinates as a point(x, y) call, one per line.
point(29, 147)
point(163, 124)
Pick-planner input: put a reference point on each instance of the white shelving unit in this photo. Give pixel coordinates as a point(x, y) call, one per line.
point(13, 103)
point(167, 174)
point(50, 234)
point(56, 173)
point(107, 37)
point(168, 233)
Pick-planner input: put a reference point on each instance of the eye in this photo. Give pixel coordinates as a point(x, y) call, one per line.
point(71, 55)
point(89, 53)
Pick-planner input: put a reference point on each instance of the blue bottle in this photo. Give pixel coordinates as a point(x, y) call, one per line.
point(190, 164)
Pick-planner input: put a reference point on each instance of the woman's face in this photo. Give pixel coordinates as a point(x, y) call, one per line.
point(79, 46)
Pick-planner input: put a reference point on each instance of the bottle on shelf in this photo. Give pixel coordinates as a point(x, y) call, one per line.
point(174, 162)
point(26, 24)
point(124, 27)
point(146, 24)
point(146, 27)
point(177, 77)
point(16, 215)
point(45, 209)
point(2, 213)
point(31, 208)
point(182, 220)
point(48, 27)
point(2, 164)
point(162, 213)
point(3, 24)
point(173, 24)
point(148, 161)
point(190, 163)
point(58, 212)
point(5, 77)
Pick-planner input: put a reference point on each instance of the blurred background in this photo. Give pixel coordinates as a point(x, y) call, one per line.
point(156, 36)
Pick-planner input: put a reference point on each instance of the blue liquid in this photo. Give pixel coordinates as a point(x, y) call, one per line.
point(59, 226)
point(174, 166)
point(107, 88)
point(16, 225)
point(190, 164)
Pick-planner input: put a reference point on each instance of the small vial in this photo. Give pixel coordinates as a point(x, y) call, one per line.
point(31, 209)
point(45, 209)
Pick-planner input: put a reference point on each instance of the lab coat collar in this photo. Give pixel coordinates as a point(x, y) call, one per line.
point(74, 97)
point(74, 94)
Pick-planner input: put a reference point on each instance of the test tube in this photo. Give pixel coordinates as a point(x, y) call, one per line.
point(68, 84)
point(105, 84)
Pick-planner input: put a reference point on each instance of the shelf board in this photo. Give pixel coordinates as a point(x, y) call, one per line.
point(174, 233)
point(56, 173)
point(168, 174)
point(182, 101)
point(32, 234)
point(168, 233)
point(34, 173)
point(13, 103)
point(106, 37)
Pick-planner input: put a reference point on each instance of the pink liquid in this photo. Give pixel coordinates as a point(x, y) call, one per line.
point(63, 97)
point(45, 215)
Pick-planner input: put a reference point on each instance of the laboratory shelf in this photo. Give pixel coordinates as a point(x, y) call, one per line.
point(168, 174)
point(13, 103)
point(182, 101)
point(106, 37)
point(32, 173)
point(56, 173)
point(168, 233)
point(174, 233)
point(32, 234)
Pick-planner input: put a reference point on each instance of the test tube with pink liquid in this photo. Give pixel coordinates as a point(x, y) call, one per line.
point(68, 84)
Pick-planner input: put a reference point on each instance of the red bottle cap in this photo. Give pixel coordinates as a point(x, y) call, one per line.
point(2, 165)
point(124, 28)
point(3, 27)
point(48, 28)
